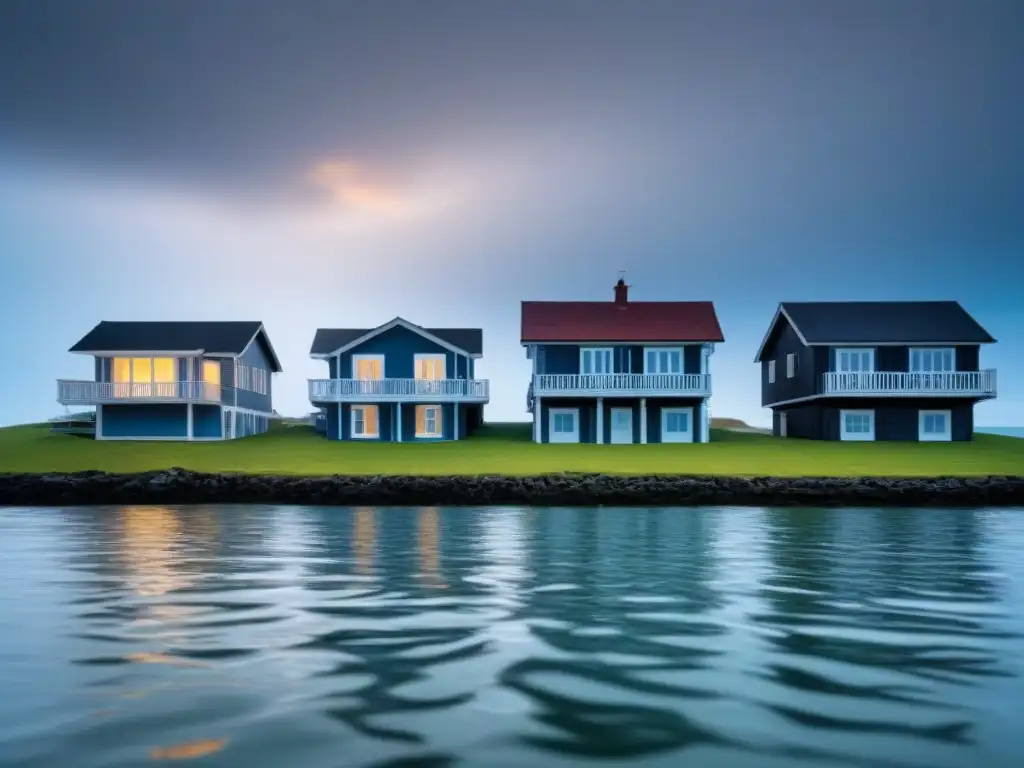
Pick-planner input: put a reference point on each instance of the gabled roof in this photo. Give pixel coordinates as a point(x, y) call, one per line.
point(213, 337)
point(332, 341)
point(830, 323)
point(635, 321)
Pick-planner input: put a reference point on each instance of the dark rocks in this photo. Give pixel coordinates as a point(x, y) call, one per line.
point(181, 486)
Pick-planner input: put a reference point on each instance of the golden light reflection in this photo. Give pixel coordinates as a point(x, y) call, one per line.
point(352, 186)
point(150, 550)
point(188, 750)
point(362, 540)
point(430, 553)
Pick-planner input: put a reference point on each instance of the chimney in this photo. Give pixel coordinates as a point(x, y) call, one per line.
point(621, 294)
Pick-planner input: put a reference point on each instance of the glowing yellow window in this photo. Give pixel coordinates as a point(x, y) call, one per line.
point(142, 370)
point(122, 370)
point(165, 370)
point(364, 421)
point(428, 421)
point(430, 367)
point(368, 368)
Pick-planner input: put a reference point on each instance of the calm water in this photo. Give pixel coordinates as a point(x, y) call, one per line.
point(308, 637)
point(1006, 431)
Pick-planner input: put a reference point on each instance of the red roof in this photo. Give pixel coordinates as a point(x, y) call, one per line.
point(634, 321)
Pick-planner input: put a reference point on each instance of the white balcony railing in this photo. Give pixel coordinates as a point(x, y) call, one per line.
point(953, 383)
point(356, 390)
point(624, 384)
point(99, 392)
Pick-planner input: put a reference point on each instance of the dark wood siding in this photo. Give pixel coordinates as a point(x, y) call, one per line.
point(896, 419)
point(968, 357)
point(559, 358)
point(565, 358)
point(804, 382)
point(802, 421)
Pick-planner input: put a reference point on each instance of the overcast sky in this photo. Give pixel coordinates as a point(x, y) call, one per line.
point(338, 163)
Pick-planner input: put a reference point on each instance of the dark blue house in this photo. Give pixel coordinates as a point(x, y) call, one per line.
point(620, 371)
point(878, 370)
point(399, 382)
point(176, 380)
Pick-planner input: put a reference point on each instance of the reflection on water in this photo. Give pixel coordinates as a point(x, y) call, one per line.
point(263, 636)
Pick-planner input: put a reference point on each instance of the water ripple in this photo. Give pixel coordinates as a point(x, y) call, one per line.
point(393, 638)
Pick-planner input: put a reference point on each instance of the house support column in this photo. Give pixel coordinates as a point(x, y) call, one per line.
point(643, 421)
point(537, 410)
point(339, 421)
point(600, 421)
point(99, 422)
point(399, 422)
point(189, 422)
point(705, 427)
point(455, 422)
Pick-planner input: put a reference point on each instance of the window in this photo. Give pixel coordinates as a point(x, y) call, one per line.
point(428, 421)
point(855, 360)
point(142, 376)
point(790, 365)
point(241, 376)
point(595, 360)
point(367, 367)
point(932, 360)
point(935, 425)
point(563, 425)
point(676, 425)
point(663, 360)
point(364, 421)
point(856, 425)
point(430, 367)
point(771, 371)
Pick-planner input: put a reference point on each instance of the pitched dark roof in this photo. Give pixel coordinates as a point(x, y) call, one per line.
point(328, 340)
point(211, 337)
point(635, 321)
point(882, 322)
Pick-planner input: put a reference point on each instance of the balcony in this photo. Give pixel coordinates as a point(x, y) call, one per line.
point(622, 385)
point(394, 390)
point(980, 384)
point(104, 392)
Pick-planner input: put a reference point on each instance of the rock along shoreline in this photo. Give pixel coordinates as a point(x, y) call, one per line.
point(179, 486)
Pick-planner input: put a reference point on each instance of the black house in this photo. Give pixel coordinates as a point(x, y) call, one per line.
point(874, 370)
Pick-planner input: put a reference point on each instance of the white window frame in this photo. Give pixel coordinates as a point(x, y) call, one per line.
point(552, 412)
point(771, 371)
point(647, 358)
point(935, 437)
point(856, 436)
point(931, 351)
point(352, 422)
point(429, 356)
point(869, 351)
point(355, 365)
point(665, 412)
point(791, 365)
point(607, 352)
point(438, 421)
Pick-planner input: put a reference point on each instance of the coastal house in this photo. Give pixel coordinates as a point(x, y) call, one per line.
point(399, 382)
point(879, 370)
point(620, 371)
point(176, 380)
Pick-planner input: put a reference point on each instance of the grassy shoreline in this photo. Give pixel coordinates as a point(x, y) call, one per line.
point(507, 450)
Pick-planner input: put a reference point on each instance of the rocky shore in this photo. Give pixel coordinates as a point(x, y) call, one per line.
point(178, 486)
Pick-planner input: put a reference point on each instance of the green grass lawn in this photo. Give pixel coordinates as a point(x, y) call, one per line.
point(506, 449)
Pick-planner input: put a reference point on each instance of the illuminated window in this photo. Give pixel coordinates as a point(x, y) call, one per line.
point(142, 370)
point(367, 367)
point(364, 421)
point(428, 421)
point(165, 370)
point(122, 370)
point(430, 367)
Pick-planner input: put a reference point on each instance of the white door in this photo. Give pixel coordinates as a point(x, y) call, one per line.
point(563, 425)
point(857, 425)
point(677, 425)
point(622, 425)
point(783, 426)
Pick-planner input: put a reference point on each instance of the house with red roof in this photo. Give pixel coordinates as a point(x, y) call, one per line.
point(620, 371)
